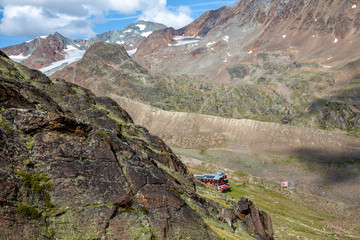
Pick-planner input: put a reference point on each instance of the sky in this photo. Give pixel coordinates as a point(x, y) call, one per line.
point(23, 20)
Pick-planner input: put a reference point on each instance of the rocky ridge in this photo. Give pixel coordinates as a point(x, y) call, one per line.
point(73, 164)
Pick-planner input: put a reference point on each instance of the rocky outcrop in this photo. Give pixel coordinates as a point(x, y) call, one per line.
point(73, 165)
point(257, 221)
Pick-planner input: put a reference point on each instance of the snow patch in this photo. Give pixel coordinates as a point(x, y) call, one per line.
point(72, 54)
point(131, 52)
point(210, 43)
point(141, 26)
point(229, 54)
point(329, 58)
point(226, 38)
point(19, 58)
point(42, 37)
point(284, 36)
point(315, 20)
point(354, 6)
point(127, 31)
point(313, 36)
point(249, 52)
point(182, 40)
point(146, 34)
point(336, 40)
point(120, 43)
point(225, 60)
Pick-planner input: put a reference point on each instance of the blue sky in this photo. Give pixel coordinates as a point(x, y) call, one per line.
point(22, 20)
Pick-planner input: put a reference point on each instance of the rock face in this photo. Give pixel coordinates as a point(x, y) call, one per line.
point(257, 221)
point(73, 165)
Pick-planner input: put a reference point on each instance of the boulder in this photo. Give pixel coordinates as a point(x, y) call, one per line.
point(257, 221)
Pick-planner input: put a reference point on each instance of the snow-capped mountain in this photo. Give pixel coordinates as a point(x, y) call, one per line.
point(53, 52)
point(131, 36)
point(326, 32)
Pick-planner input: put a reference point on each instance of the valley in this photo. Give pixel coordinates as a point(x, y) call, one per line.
point(266, 91)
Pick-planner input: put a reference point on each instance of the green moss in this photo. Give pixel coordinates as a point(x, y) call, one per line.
point(144, 209)
point(39, 183)
point(31, 143)
point(110, 114)
point(26, 161)
point(27, 211)
point(104, 135)
point(5, 126)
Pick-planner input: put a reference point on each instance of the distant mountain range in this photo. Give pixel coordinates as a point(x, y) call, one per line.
point(255, 31)
point(53, 52)
point(268, 61)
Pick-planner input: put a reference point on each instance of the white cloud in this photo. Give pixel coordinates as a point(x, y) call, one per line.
point(32, 18)
point(176, 19)
point(34, 21)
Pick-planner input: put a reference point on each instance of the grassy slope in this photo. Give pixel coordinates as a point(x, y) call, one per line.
point(291, 220)
point(294, 216)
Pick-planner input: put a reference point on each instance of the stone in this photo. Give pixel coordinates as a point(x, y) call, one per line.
point(257, 221)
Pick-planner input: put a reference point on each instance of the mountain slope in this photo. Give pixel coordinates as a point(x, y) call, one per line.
point(316, 158)
point(306, 30)
point(289, 93)
point(75, 165)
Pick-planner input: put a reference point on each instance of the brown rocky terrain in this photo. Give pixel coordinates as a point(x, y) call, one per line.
point(326, 32)
point(51, 50)
point(73, 165)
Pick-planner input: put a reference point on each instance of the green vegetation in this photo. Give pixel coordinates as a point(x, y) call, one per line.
point(289, 217)
point(238, 71)
point(274, 92)
point(40, 184)
point(27, 211)
point(104, 135)
point(5, 126)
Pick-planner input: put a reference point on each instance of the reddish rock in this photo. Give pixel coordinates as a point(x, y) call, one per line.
point(257, 221)
point(51, 50)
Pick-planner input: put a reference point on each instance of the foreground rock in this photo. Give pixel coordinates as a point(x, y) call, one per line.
point(75, 166)
point(257, 221)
